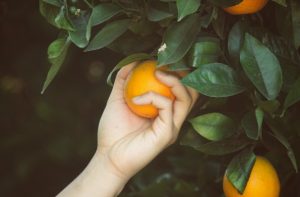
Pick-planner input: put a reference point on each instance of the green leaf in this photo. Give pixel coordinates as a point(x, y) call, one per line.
point(187, 7)
point(49, 12)
point(82, 34)
point(252, 123)
point(56, 3)
point(293, 95)
point(57, 51)
point(295, 11)
point(62, 21)
point(235, 41)
point(261, 67)
point(108, 34)
point(104, 12)
point(277, 130)
point(130, 43)
point(129, 59)
point(269, 106)
point(226, 3)
point(223, 147)
point(239, 169)
point(214, 126)
point(281, 2)
point(178, 39)
point(205, 50)
point(214, 80)
point(155, 15)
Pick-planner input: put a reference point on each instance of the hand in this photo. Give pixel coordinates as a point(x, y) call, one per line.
point(128, 142)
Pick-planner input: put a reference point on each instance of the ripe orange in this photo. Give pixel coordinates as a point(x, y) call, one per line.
point(263, 181)
point(246, 7)
point(142, 80)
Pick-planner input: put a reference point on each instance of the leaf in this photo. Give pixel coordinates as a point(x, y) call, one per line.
point(155, 15)
point(56, 3)
point(187, 7)
point(130, 43)
point(108, 34)
point(214, 126)
point(252, 123)
point(239, 169)
point(293, 95)
point(277, 130)
point(281, 2)
point(226, 3)
point(178, 39)
point(62, 21)
point(223, 147)
point(82, 34)
point(57, 51)
point(214, 80)
point(261, 67)
point(129, 59)
point(235, 41)
point(205, 50)
point(104, 12)
point(49, 12)
point(295, 11)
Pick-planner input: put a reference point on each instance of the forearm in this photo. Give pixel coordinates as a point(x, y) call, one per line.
point(97, 180)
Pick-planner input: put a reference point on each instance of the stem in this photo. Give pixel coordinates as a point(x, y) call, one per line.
point(88, 4)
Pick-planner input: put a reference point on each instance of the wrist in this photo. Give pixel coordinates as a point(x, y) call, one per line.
point(113, 180)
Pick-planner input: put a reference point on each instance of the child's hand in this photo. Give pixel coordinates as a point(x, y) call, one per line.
point(128, 142)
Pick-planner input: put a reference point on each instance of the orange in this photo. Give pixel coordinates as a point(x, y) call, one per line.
point(142, 80)
point(246, 7)
point(263, 181)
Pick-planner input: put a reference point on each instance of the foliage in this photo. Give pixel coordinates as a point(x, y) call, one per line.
point(246, 68)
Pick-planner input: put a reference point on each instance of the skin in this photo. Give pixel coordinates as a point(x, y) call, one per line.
point(127, 142)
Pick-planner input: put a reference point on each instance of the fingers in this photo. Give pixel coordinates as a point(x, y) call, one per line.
point(118, 88)
point(185, 97)
point(162, 103)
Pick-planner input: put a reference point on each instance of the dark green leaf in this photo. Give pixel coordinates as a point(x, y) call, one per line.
point(62, 21)
point(127, 60)
point(214, 126)
point(295, 11)
point(108, 34)
point(49, 12)
point(57, 3)
point(223, 147)
point(252, 123)
point(154, 14)
point(235, 41)
point(261, 67)
point(104, 12)
point(214, 80)
point(293, 95)
point(178, 39)
point(57, 51)
point(187, 7)
point(225, 3)
point(206, 50)
point(82, 34)
point(239, 169)
point(281, 2)
point(277, 130)
point(130, 43)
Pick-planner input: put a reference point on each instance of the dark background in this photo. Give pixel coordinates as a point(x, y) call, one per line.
point(46, 140)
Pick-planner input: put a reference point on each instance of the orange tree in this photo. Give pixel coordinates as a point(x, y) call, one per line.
point(242, 57)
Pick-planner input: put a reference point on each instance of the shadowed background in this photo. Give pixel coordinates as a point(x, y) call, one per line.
point(46, 140)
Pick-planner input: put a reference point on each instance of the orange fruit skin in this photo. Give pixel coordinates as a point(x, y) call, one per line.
point(263, 181)
point(246, 7)
point(140, 81)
